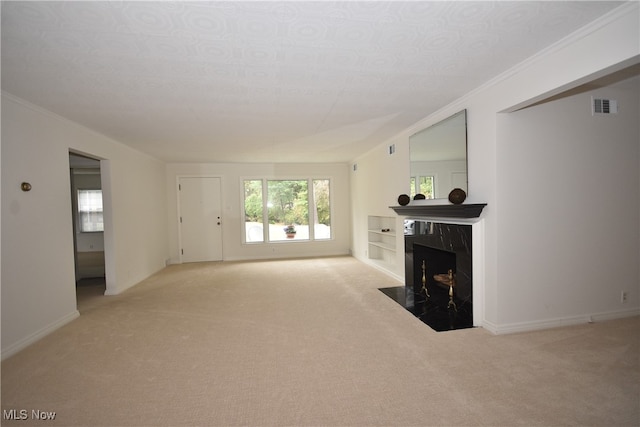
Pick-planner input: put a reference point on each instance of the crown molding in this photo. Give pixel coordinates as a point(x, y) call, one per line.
point(630, 7)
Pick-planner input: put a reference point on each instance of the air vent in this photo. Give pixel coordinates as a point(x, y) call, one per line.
point(603, 106)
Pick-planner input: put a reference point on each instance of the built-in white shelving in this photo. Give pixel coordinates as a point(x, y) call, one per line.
point(382, 241)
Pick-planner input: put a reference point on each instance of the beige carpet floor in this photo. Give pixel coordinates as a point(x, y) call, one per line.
point(311, 342)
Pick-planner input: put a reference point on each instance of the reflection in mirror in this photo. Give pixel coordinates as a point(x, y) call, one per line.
point(438, 157)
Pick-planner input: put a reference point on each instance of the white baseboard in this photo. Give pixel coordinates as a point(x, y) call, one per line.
point(27, 341)
point(274, 257)
point(537, 325)
point(602, 317)
point(380, 267)
point(386, 271)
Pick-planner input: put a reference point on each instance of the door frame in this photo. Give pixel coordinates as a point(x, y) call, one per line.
point(107, 212)
point(178, 210)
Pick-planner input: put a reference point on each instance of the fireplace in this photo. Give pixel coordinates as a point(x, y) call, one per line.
point(435, 249)
point(442, 246)
point(427, 263)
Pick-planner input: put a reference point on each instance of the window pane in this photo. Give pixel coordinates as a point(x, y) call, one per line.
point(90, 216)
point(321, 198)
point(253, 211)
point(90, 200)
point(288, 209)
point(426, 186)
point(91, 222)
point(412, 187)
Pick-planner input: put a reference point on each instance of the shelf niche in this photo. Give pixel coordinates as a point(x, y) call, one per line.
point(441, 211)
point(382, 244)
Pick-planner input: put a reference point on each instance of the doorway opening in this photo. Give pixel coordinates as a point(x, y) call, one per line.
point(88, 228)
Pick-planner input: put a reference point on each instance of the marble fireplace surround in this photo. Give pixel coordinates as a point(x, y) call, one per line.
point(457, 215)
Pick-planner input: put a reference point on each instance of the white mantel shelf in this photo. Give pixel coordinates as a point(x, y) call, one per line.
point(441, 211)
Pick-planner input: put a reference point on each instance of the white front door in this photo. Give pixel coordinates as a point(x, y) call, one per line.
point(200, 219)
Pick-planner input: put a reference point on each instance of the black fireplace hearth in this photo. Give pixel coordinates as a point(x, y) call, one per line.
point(434, 311)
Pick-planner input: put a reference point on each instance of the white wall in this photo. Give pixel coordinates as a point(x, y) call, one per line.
point(38, 292)
point(38, 282)
point(569, 207)
point(607, 45)
point(377, 181)
point(232, 191)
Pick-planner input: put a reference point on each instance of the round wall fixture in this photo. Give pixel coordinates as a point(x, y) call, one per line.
point(25, 186)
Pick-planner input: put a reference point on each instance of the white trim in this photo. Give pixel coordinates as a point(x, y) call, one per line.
point(612, 315)
point(109, 233)
point(307, 255)
point(628, 8)
point(477, 261)
point(378, 267)
point(265, 220)
point(579, 34)
point(478, 264)
point(538, 325)
point(30, 339)
point(76, 125)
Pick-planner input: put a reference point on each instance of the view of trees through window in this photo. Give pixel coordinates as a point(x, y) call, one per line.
point(425, 186)
point(253, 210)
point(288, 202)
point(290, 208)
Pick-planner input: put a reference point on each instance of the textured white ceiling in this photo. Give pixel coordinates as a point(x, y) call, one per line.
point(266, 81)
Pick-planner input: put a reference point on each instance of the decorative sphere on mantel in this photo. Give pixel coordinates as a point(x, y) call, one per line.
point(419, 197)
point(457, 196)
point(403, 200)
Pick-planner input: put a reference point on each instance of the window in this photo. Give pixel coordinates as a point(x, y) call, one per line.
point(322, 213)
point(90, 216)
point(253, 211)
point(288, 207)
point(425, 186)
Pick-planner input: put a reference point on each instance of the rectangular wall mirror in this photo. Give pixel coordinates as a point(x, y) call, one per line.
point(438, 156)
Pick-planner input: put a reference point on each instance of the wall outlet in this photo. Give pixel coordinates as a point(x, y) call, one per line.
point(623, 296)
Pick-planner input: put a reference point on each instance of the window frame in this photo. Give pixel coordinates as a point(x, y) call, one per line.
point(311, 207)
point(80, 213)
point(414, 183)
